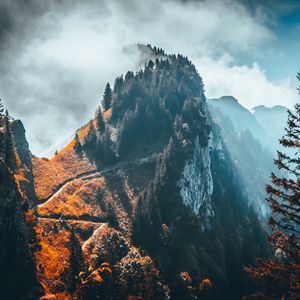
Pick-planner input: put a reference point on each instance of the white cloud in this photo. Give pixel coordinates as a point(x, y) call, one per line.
point(248, 84)
point(56, 73)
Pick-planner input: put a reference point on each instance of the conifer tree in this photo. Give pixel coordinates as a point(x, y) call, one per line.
point(107, 97)
point(77, 145)
point(91, 138)
point(118, 84)
point(99, 120)
point(2, 139)
point(279, 277)
point(1, 108)
point(9, 148)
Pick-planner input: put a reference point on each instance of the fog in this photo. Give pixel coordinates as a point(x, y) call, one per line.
point(56, 56)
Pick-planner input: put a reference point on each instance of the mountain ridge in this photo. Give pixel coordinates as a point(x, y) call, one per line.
point(161, 211)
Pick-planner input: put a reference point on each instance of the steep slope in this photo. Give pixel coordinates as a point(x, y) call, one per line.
point(18, 274)
point(240, 116)
point(253, 161)
point(145, 202)
point(152, 205)
point(252, 140)
point(242, 119)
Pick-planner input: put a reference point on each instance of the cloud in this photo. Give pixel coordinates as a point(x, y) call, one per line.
point(58, 55)
point(248, 84)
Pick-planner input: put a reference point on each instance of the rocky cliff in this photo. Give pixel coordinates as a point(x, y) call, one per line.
point(145, 202)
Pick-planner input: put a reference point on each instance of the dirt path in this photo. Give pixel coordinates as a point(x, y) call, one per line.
point(79, 220)
point(95, 174)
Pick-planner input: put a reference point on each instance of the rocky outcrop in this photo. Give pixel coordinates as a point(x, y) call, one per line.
point(24, 167)
point(152, 207)
point(17, 276)
point(196, 184)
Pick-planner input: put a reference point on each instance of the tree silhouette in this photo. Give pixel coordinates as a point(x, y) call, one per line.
point(77, 145)
point(90, 138)
point(107, 97)
point(279, 277)
point(1, 108)
point(9, 147)
point(99, 120)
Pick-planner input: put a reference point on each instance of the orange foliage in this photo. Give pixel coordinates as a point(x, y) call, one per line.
point(132, 297)
point(66, 164)
point(30, 217)
point(185, 276)
point(77, 199)
point(82, 133)
point(205, 283)
point(53, 255)
point(106, 115)
point(48, 175)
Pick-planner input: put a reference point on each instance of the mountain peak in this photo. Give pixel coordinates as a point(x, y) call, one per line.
point(275, 108)
point(225, 102)
point(228, 98)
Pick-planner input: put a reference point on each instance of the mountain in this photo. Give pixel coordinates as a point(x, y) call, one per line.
point(248, 145)
point(241, 117)
point(272, 119)
point(252, 140)
point(18, 277)
point(146, 202)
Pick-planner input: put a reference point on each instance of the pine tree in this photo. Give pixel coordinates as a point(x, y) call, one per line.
point(107, 151)
point(99, 120)
point(77, 145)
point(1, 108)
point(107, 97)
point(90, 141)
point(2, 139)
point(279, 277)
point(9, 147)
point(118, 84)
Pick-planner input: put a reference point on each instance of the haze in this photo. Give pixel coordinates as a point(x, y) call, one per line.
point(56, 56)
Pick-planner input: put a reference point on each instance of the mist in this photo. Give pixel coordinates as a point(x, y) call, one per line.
point(57, 56)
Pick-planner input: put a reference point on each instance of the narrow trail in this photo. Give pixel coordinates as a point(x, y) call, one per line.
point(73, 220)
point(92, 237)
point(98, 225)
point(95, 174)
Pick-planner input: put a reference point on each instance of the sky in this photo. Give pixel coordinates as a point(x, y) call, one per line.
point(57, 55)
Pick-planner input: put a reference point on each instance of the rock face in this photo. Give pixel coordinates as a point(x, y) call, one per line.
point(147, 204)
point(17, 279)
point(196, 184)
point(25, 176)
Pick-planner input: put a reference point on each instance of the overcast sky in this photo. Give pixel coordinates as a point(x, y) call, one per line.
point(57, 55)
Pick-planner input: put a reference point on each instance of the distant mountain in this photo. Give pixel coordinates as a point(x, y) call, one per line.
point(241, 117)
point(271, 119)
point(148, 201)
point(252, 140)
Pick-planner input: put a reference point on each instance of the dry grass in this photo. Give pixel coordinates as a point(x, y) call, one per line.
point(48, 174)
point(53, 257)
point(77, 200)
